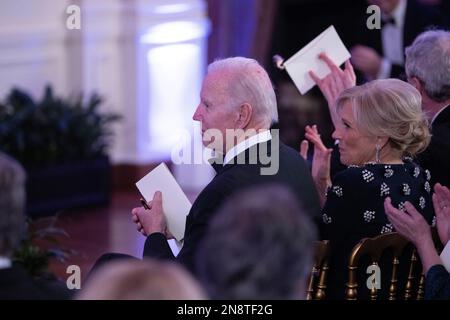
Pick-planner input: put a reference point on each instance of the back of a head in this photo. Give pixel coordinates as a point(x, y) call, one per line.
point(389, 108)
point(428, 59)
point(249, 82)
point(259, 246)
point(141, 280)
point(12, 204)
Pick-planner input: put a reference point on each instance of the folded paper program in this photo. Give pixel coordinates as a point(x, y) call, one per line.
point(307, 59)
point(175, 204)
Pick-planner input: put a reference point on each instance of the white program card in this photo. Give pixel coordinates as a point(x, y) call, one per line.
point(175, 203)
point(307, 59)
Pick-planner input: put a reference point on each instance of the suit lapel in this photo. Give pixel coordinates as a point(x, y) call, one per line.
point(443, 117)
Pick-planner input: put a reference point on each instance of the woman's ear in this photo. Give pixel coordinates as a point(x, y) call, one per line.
point(382, 141)
point(244, 115)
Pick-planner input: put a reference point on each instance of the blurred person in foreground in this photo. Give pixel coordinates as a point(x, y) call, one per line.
point(15, 282)
point(258, 246)
point(141, 280)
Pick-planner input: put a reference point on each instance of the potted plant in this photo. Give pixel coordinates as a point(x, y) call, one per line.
point(40, 244)
point(62, 144)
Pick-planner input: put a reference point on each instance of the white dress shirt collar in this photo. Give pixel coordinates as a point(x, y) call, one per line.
point(392, 41)
point(5, 262)
point(262, 136)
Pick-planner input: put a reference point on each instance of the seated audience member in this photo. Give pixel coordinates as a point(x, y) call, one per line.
point(141, 280)
point(258, 246)
point(236, 96)
point(413, 226)
point(428, 70)
point(381, 126)
point(443, 6)
point(379, 52)
point(15, 282)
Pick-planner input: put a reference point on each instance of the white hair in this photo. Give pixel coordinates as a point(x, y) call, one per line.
point(249, 83)
point(428, 59)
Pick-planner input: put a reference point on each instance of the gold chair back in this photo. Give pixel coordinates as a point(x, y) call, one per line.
point(373, 248)
point(317, 280)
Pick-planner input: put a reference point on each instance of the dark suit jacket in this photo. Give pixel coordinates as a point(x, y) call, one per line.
point(418, 18)
point(16, 284)
point(293, 172)
point(437, 283)
point(436, 157)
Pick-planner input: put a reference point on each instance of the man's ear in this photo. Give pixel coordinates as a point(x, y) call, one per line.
point(415, 82)
point(244, 115)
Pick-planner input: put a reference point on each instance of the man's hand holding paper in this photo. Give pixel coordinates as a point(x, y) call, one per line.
point(151, 220)
point(173, 205)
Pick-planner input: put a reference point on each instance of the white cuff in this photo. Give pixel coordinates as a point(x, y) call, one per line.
point(445, 256)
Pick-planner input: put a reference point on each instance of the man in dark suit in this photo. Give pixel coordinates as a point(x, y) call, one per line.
point(379, 53)
point(237, 107)
point(15, 282)
point(428, 69)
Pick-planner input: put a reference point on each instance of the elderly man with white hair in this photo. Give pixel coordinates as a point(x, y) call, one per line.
point(236, 96)
point(428, 69)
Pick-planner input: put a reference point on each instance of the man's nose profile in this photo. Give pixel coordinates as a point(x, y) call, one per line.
point(195, 116)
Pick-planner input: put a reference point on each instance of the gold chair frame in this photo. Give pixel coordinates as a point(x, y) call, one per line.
point(319, 271)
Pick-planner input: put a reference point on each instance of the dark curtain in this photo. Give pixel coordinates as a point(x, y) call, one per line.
point(241, 28)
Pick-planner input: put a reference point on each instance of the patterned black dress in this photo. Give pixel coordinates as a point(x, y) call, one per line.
point(354, 209)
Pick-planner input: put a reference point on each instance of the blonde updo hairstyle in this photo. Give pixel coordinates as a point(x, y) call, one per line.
point(389, 108)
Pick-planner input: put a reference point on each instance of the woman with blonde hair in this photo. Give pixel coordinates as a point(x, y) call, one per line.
point(380, 127)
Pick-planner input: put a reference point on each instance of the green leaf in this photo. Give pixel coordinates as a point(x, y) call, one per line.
point(55, 129)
